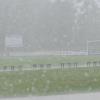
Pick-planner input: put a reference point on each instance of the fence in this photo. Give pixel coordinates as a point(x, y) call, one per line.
point(48, 53)
point(50, 66)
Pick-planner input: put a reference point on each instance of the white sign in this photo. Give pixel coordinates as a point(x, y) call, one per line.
point(14, 41)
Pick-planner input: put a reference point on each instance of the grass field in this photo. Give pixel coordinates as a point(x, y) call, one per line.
point(48, 82)
point(46, 60)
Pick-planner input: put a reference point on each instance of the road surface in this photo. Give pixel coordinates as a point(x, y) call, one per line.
point(87, 96)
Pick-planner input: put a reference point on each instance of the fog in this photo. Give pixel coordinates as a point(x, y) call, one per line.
point(50, 25)
point(33, 26)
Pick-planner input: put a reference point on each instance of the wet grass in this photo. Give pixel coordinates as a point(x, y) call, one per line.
point(49, 82)
point(8, 61)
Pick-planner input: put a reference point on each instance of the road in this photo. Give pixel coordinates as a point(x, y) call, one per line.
point(84, 96)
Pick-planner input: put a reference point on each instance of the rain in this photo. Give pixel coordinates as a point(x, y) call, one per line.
point(49, 49)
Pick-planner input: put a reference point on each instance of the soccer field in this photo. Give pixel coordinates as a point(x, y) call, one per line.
point(49, 81)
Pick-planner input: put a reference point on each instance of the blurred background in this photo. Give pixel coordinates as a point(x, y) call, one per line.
point(48, 25)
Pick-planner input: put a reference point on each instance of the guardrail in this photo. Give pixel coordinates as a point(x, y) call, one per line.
point(50, 66)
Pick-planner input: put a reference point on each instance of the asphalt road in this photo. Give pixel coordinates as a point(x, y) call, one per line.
point(87, 96)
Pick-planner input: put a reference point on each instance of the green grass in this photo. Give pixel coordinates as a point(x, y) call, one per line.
point(48, 82)
point(46, 60)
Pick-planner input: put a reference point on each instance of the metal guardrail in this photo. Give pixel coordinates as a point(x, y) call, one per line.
point(49, 66)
